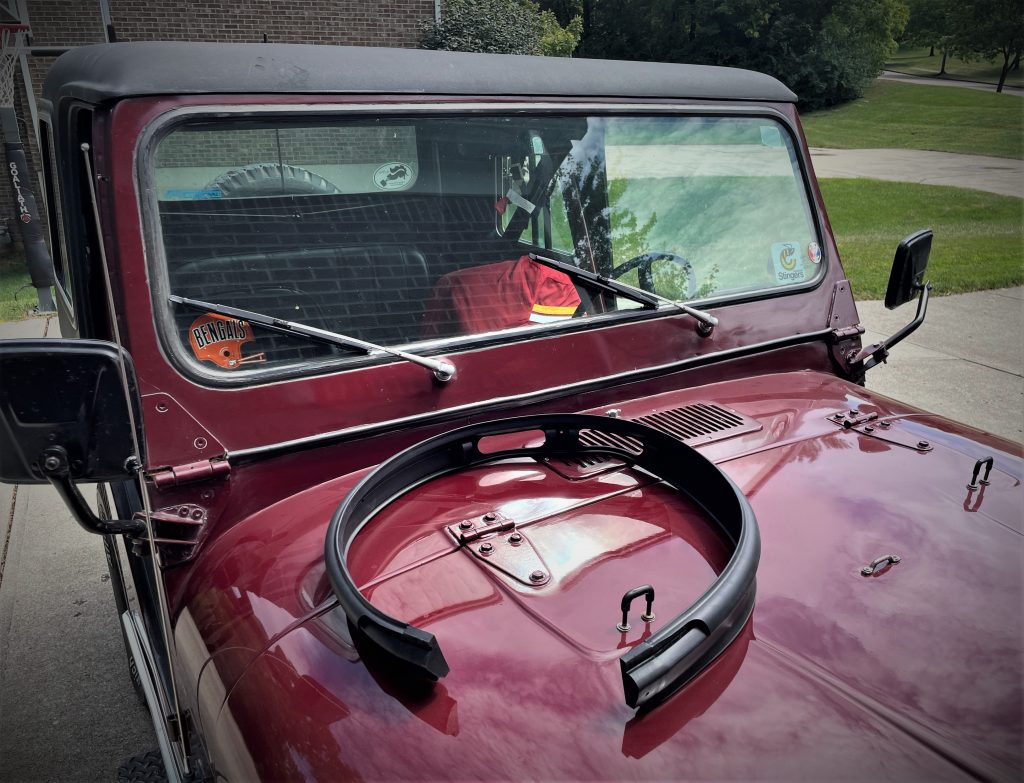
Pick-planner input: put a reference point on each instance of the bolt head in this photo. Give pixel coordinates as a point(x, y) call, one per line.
point(622, 628)
point(465, 524)
point(490, 516)
point(51, 463)
point(867, 570)
point(923, 444)
point(515, 538)
point(538, 576)
point(885, 424)
point(854, 411)
point(486, 547)
point(869, 429)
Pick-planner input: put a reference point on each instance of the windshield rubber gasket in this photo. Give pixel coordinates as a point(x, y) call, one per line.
point(651, 670)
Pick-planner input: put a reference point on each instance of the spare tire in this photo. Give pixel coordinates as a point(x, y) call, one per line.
point(271, 179)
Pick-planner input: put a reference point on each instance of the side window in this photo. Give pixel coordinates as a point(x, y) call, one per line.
point(55, 216)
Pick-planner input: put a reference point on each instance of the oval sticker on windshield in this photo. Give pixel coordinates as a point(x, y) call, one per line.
point(393, 176)
point(788, 263)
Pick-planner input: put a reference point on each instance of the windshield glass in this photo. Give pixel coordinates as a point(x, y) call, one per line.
point(399, 231)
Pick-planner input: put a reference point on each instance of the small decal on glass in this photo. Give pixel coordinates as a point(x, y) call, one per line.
point(788, 263)
point(393, 176)
point(814, 253)
point(219, 339)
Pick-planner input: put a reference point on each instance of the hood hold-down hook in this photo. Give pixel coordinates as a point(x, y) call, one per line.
point(627, 601)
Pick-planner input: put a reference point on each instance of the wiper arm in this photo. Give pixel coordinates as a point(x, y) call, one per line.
point(443, 369)
point(707, 321)
point(599, 281)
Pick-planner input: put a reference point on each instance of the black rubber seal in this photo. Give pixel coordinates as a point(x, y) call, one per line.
point(654, 668)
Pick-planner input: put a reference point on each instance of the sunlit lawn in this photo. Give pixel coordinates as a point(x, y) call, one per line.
point(979, 237)
point(911, 116)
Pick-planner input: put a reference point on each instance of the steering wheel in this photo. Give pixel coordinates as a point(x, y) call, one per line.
point(644, 263)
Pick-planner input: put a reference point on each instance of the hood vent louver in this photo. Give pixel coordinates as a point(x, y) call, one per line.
point(695, 425)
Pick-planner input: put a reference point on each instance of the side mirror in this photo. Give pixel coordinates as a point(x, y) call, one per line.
point(906, 280)
point(907, 276)
point(63, 412)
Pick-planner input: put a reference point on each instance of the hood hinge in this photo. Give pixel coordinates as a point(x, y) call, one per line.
point(191, 473)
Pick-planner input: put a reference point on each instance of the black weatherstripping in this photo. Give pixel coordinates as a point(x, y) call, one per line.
point(654, 668)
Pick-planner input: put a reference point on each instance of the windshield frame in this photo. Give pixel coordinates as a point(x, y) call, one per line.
point(156, 260)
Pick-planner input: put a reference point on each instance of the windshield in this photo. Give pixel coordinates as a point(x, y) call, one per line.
point(399, 231)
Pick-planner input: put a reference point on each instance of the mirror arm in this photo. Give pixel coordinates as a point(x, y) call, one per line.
point(55, 466)
point(878, 352)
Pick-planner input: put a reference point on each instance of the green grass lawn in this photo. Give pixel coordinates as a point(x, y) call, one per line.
point(979, 237)
point(911, 116)
point(15, 301)
point(916, 62)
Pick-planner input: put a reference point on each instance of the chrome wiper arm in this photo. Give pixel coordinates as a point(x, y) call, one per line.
point(707, 321)
point(443, 369)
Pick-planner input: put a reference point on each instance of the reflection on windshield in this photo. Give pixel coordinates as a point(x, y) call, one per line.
point(398, 231)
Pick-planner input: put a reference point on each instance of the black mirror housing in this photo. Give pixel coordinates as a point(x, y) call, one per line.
point(67, 394)
point(908, 266)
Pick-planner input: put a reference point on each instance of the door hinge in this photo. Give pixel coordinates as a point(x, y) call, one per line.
point(846, 332)
point(191, 473)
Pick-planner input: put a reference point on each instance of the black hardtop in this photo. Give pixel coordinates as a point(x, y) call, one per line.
point(109, 72)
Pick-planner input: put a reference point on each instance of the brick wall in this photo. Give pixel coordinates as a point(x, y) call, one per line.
point(78, 22)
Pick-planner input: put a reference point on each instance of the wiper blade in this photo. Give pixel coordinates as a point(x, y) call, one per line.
point(443, 369)
point(707, 321)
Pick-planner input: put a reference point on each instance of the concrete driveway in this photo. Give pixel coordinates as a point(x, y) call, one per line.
point(965, 362)
point(1004, 176)
point(67, 708)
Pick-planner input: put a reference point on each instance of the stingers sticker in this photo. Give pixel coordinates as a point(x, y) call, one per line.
point(788, 263)
point(219, 339)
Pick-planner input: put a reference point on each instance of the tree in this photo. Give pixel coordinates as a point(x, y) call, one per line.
point(825, 50)
point(501, 27)
point(989, 29)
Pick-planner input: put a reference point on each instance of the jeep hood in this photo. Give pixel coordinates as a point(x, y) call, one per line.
point(912, 672)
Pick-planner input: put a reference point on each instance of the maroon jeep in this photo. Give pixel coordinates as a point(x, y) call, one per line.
point(482, 417)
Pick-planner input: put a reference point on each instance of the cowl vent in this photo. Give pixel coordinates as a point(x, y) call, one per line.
point(695, 425)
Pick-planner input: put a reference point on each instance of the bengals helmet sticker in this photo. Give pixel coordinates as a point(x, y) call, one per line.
point(219, 339)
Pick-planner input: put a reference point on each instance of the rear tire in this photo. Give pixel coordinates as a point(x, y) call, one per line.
point(271, 179)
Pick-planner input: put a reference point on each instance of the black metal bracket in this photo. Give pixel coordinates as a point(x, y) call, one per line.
point(877, 353)
point(54, 464)
point(656, 666)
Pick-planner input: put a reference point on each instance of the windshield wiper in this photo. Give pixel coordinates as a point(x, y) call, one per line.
point(443, 369)
point(707, 321)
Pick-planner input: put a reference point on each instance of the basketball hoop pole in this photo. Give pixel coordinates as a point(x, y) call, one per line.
point(37, 257)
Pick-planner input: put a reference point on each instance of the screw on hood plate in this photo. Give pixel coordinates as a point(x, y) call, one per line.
point(493, 540)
